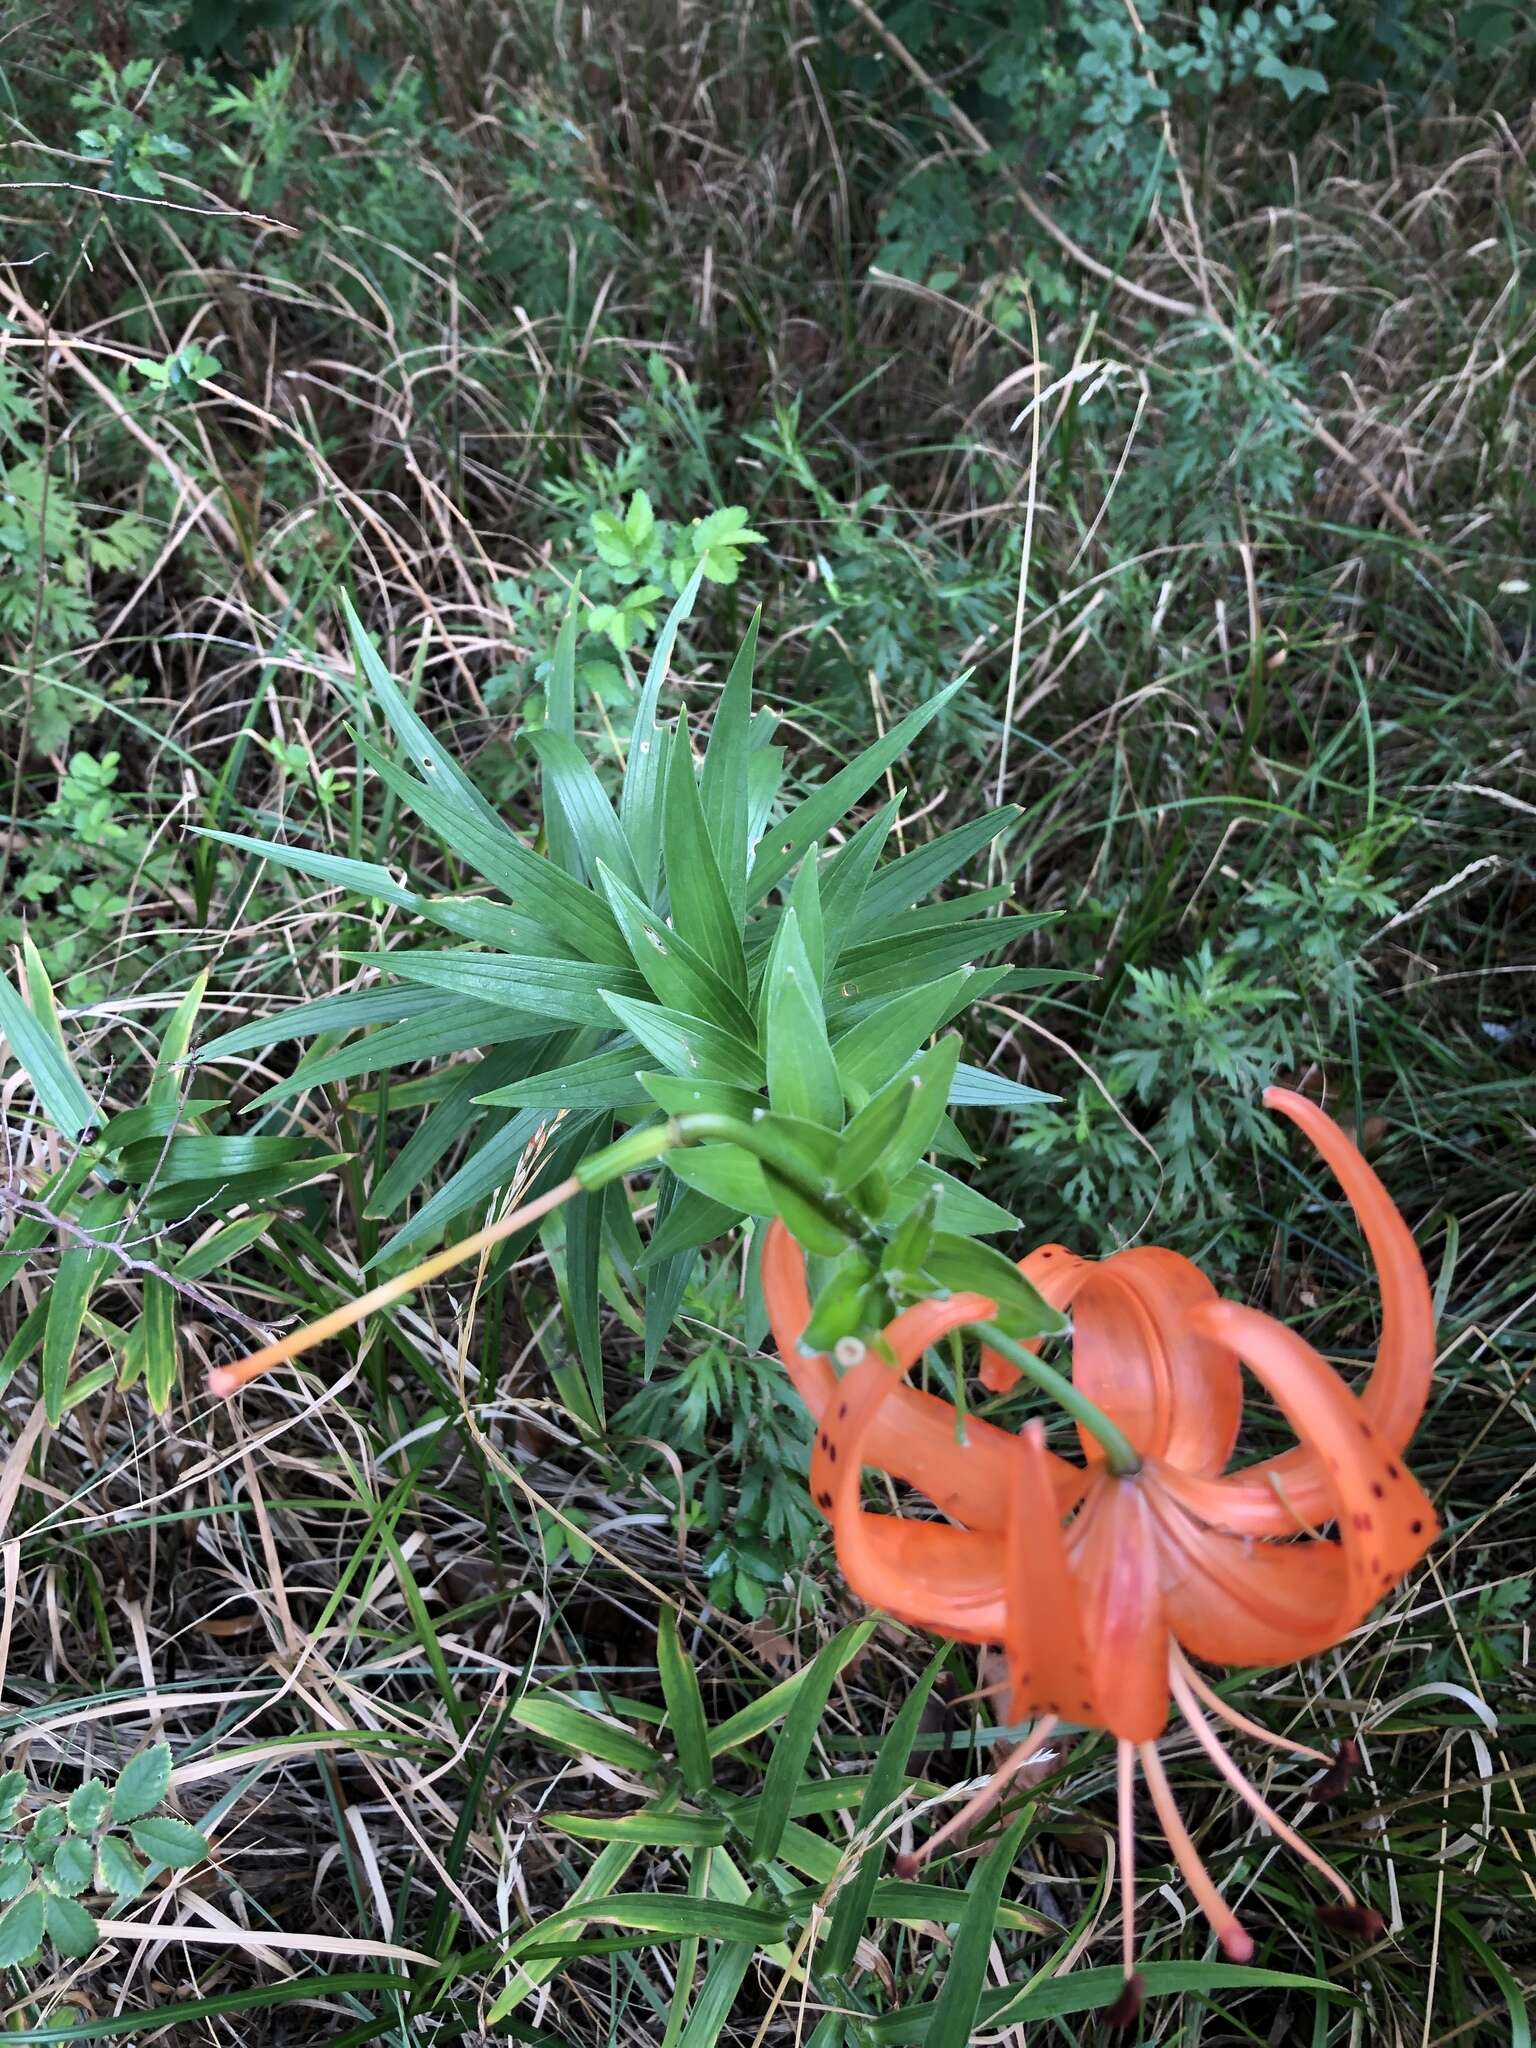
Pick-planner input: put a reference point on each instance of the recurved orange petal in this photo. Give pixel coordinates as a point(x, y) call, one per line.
point(1384, 1517)
point(936, 1577)
point(1177, 1396)
point(1280, 1495)
point(1055, 1274)
point(915, 1435)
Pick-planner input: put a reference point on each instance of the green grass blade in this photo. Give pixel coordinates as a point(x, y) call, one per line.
point(427, 756)
point(954, 2012)
point(576, 799)
point(38, 1047)
point(685, 1706)
point(806, 1706)
point(884, 1787)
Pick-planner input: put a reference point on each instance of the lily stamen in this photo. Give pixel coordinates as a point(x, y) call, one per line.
point(1247, 1791)
point(1236, 1942)
point(981, 1803)
point(1225, 1711)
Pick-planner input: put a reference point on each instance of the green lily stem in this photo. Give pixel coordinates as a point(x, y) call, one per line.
point(637, 1149)
point(1118, 1450)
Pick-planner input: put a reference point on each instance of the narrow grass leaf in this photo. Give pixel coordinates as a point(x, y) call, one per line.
point(162, 1357)
point(884, 1787)
point(79, 1269)
point(679, 977)
point(689, 1046)
point(650, 1830)
point(41, 1056)
point(802, 1073)
point(702, 908)
point(640, 802)
point(882, 1042)
point(806, 1706)
point(717, 1995)
point(389, 1003)
point(571, 1727)
point(541, 990)
point(557, 901)
point(685, 1706)
point(954, 2012)
point(364, 878)
point(605, 1080)
point(915, 875)
point(976, 1088)
point(427, 756)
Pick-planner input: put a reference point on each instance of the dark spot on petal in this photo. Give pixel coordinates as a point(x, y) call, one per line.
point(1392, 1471)
point(824, 1500)
point(1366, 1430)
point(1378, 1489)
point(1376, 1565)
point(1361, 1522)
point(842, 1413)
point(1416, 1528)
point(831, 1454)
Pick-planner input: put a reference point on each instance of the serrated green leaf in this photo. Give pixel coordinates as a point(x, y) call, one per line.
point(142, 1783)
point(825, 807)
point(86, 1807)
point(70, 1928)
point(118, 1871)
point(13, 1789)
point(70, 1870)
point(802, 1073)
point(15, 1871)
point(689, 1046)
point(572, 789)
point(165, 1839)
point(21, 1929)
point(702, 908)
point(46, 1064)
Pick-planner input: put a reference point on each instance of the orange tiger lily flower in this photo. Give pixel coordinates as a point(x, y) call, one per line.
point(1096, 1619)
